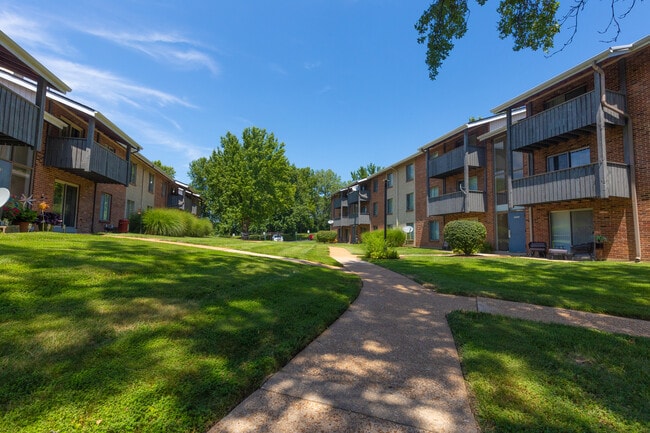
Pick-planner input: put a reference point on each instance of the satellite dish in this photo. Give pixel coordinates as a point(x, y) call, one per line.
point(4, 196)
point(407, 229)
point(330, 222)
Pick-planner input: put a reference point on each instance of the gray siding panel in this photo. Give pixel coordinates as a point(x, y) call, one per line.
point(455, 203)
point(18, 117)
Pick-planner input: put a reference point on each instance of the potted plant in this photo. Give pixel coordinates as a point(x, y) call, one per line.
point(599, 240)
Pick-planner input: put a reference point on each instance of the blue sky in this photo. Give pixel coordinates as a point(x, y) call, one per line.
point(341, 82)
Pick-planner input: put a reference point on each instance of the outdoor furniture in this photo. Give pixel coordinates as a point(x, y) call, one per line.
point(4, 229)
point(553, 252)
point(585, 250)
point(537, 247)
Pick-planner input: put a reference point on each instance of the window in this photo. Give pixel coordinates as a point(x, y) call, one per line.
point(389, 206)
point(16, 170)
point(151, 182)
point(473, 184)
point(375, 208)
point(375, 185)
point(565, 160)
point(105, 208)
point(565, 97)
point(130, 208)
point(434, 191)
point(410, 204)
point(410, 172)
point(134, 174)
point(163, 190)
point(434, 231)
point(389, 178)
point(571, 228)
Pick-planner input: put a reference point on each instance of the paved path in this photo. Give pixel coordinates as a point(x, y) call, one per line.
point(388, 364)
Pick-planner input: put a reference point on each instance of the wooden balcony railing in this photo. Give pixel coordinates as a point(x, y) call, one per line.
point(455, 203)
point(566, 118)
point(91, 161)
point(18, 118)
point(570, 184)
point(454, 160)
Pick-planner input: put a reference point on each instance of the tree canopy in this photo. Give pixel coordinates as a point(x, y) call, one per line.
point(531, 23)
point(245, 182)
point(169, 170)
point(365, 171)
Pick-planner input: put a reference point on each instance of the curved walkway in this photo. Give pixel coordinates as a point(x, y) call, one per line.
point(388, 364)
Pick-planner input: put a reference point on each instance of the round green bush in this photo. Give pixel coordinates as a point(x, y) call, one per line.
point(465, 237)
point(326, 236)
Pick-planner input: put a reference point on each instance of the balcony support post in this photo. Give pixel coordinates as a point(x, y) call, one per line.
point(599, 85)
point(129, 150)
point(466, 171)
point(508, 161)
point(41, 91)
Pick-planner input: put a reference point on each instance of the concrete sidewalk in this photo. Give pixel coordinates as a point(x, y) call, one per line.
point(388, 364)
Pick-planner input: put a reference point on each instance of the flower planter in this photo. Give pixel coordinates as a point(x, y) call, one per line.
point(24, 226)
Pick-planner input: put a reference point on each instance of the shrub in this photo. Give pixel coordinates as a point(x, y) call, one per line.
point(395, 238)
point(175, 222)
point(486, 247)
point(326, 236)
point(465, 237)
point(376, 247)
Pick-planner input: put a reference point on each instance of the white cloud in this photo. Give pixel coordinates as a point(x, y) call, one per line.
point(311, 65)
point(32, 33)
point(98, 85)
point(163, 47)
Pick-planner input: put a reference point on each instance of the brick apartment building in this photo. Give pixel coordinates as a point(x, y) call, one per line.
point(566, 163)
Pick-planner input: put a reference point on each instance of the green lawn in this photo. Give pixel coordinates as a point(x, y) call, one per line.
point(307, 250)
point(533, 377)
point(116, 335)
point(618, 288)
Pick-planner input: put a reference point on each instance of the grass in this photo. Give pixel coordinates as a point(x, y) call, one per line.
point(116, 335)
point(532, 377)
point(617, 288)
point(307, 250)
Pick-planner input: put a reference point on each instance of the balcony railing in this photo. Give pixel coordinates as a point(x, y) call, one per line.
point(348, 221)
point(18, 118)
point(353, 196)
point(563, 120)
point(88, 160)
point(455, 203)
point(453, 161)
point(570, 184)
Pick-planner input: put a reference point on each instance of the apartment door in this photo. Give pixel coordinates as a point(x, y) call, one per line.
point(517, 231)
point(65, 202)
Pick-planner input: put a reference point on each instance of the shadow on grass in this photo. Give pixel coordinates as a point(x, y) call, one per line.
point(621, 289)
point(142, 335)
point(538, 377)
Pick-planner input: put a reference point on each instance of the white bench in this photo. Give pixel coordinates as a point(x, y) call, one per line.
point(552, 252)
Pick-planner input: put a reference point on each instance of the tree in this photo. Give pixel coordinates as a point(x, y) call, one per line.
point(327, 182)
point(532, 23)
point(168, 169)
point(363, 172)
point(245, 183)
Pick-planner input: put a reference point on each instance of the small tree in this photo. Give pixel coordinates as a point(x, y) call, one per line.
point(465, 237)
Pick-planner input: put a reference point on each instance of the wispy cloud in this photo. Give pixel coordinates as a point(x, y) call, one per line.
point(31, 32)
point(311, 65)
point(163, 47)
point(274, 67)
point(99, 85)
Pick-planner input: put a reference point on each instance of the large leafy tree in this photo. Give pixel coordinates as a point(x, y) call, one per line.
point(531, 23)
point(327, 182)
point(245, 183)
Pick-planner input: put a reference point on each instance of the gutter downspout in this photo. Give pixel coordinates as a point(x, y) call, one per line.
point(629, 154)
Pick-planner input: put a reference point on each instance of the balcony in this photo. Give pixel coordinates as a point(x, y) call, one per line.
point(348, 221)
point(18, 118)
point(88, 160)
point(570, 184)
point(454, 161)
point(354, 196)
point(564, 121)
point(455, 203)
